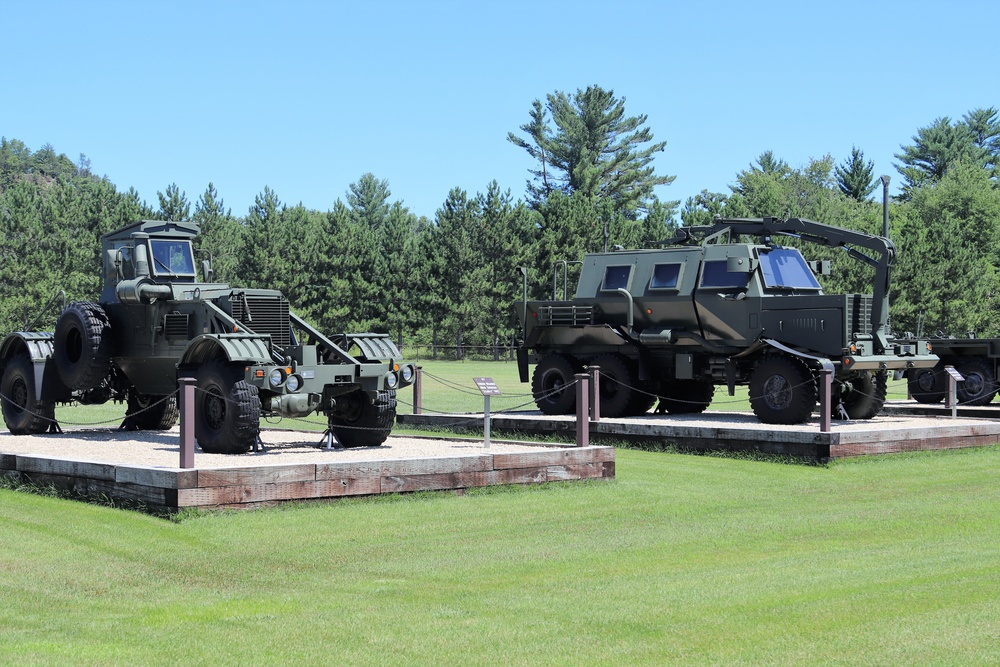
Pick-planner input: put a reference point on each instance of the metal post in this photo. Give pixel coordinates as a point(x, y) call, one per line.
point(950, 398)
point(582, 410)
point(825, 396)
point(486, 420)
point(595, 393)
point(418, 391)
point(885, 206)
point(187, 421)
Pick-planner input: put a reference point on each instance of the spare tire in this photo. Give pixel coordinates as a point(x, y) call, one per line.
point(82, 345)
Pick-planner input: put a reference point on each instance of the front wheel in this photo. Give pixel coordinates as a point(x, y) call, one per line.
point(980, 384)
point(782, 391)
point(23, 413)
point(226, 410)
point(361, 421)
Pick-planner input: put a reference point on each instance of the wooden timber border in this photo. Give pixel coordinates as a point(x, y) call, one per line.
point(730, 431)
point(172, 489)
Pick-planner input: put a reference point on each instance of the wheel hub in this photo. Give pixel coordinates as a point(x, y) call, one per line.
point(777, 392)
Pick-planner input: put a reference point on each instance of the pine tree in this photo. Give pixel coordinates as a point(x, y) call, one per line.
point(594, 150)
point(855, 177)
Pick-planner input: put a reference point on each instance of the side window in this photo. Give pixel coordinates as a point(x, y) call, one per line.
point(716, 274)
point(616, 277)
point(665, 276)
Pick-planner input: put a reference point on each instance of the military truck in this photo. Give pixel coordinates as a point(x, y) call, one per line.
point(976, 359)
point(711, 308)
point(156, 323)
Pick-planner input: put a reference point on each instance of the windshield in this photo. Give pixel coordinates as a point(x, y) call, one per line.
point(785, 268)
point(172, 258)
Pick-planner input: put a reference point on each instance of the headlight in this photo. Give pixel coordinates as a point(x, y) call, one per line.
point(293, 383)
point(407, 373)
point(391, 381)
point(276, 377)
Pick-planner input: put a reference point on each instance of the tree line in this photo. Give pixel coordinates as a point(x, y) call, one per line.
point(370, 264)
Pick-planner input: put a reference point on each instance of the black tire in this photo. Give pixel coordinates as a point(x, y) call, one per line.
point(362, 422)
point(552, 384)
point(617, 380)
point(980, 384)
point(680, 397)
point(862, 397)
point(226, 410)
point(927, 385)
point(782, 391)
point(82, 345)
point(22, 412)
point(642, 401)
point(150, 413)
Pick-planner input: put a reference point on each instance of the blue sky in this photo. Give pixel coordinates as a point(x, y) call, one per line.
point(305, 97)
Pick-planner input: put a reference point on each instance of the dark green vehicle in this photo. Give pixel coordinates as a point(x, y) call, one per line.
point(976, 359)
point(710, 308)
point(156, 322)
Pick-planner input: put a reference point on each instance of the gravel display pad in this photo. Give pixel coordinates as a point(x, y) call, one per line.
point(162, 448)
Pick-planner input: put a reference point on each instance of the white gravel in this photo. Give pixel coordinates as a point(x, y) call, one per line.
point(162, 448)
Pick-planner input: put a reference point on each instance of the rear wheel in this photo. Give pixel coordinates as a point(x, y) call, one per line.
point(150, 413)
point(980, 384)
point(927, 385)
point(686, 397)
point(362, 422)
point(616, 391)
point(552, 384)
point(23, 413)
point(82, 345)
point(227, 410)
point(782, 391)
point(862, 395)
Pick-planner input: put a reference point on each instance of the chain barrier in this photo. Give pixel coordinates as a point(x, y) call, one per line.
point(994, 386)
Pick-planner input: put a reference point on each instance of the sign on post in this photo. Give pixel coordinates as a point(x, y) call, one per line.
point(487, 387)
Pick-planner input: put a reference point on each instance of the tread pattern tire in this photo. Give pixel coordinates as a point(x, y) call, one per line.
point(82, 350)
point(616, 392)
point(686, 397)
point(980, 384)
point(365, 422)
point(865, 398)
point(227, 409)
point(22, 412)
point(782, 390)
point(150, 413)
point(928, 385)
point(551, 384)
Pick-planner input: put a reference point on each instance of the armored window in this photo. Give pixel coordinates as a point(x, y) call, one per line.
point(616, 277)
point(665, 276)
point(784, 268)
point(172, 258)
point(716, 275)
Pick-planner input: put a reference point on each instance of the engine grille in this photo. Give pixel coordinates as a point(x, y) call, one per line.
point(267, 315)
point(859, 314)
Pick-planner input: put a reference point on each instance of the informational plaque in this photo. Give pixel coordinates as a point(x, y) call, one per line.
point(487, 386)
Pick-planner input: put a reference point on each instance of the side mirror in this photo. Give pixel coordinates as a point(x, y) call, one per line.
point(207, 272)
point(820, 267)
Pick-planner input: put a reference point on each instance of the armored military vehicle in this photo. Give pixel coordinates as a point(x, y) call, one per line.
point(710, 309)
point(156, 322)
point(976, 359)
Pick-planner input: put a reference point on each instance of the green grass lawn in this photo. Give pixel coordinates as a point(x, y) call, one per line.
point(679, 560)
